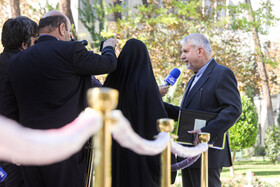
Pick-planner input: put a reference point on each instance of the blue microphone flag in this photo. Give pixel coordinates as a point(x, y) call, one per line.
point(172, 77)
point(3, 175)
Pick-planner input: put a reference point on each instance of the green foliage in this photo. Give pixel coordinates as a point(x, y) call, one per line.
point(162, 27)
point(243, 134)
point(117, 8)
point(37, 13)
point(44, 9)
point(260, 21)
point(263, 17)
point(272, 143)
point(93, 13)
point(259, 150)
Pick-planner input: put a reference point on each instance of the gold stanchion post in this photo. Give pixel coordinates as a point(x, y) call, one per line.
point(104, 100)
point(166, 125)
point(204, 137)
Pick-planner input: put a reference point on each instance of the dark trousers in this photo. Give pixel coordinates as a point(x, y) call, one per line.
point(14, 177)
point(191, 177)
point(68, 173)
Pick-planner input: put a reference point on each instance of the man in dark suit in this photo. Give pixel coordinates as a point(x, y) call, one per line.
point(46, 88)
point(17, 35)
point(213, 89)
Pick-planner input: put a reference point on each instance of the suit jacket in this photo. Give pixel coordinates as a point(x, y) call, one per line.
point(14, 177)
point(4, 62)
point(47, 83)
point(216, 91)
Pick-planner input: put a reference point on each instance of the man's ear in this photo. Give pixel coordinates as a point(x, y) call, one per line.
point(23, 46)
point(201, 51)
point(62, 29)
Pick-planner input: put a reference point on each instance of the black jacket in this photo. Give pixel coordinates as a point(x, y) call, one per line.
point(46, 88)
point(4, 61)
point(14, 177)
point(48, 82)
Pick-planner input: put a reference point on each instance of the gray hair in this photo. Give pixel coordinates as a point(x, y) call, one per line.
point(198, 40)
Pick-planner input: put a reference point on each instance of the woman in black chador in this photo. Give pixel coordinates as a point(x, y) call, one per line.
point(141, 103)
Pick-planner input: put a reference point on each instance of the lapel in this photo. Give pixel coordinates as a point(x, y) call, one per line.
point(187, 90)
point(205, 76)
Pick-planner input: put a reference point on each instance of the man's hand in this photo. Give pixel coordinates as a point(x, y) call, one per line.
point(195, 133)
point(110, 42)
point(163, 90)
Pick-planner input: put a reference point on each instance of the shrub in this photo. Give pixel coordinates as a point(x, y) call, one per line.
point(243, 134)
point(259, 150)
point(272, 143)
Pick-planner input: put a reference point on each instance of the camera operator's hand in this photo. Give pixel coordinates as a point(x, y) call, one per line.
point(110, 42)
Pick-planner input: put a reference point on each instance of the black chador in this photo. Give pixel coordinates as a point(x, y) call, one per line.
point(141, 103)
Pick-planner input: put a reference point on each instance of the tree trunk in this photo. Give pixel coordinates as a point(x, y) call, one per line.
point(145, 2)
point(261, 68)
point(117, 15)
point(233, 156)
point(15, 9)
point(65, 7)
point(233, 159)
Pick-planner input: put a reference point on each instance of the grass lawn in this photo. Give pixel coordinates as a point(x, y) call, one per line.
point(260, 167)
point(262, 170)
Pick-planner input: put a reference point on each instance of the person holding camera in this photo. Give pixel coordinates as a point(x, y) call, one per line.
point(46, 89)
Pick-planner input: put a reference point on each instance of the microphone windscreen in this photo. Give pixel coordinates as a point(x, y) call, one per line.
point(175, 73)
point(172, 77)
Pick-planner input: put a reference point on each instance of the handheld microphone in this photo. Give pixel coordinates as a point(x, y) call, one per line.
point(172, 77)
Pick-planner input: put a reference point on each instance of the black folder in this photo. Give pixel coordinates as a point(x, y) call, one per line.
point(189, 120)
